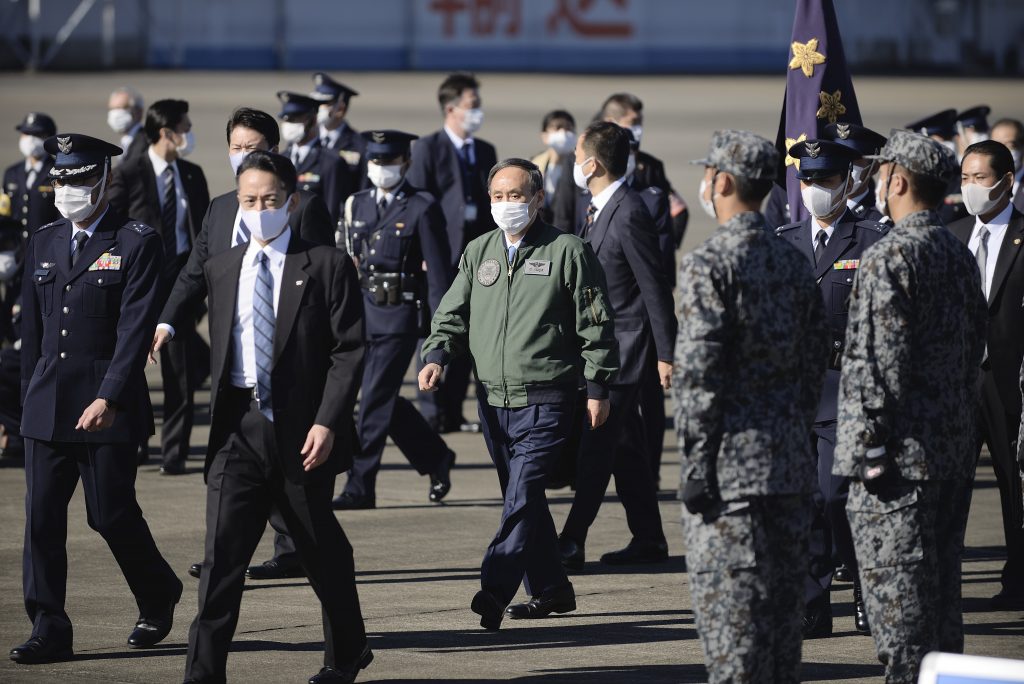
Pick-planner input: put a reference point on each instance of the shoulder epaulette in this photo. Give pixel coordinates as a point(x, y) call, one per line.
point(48, 225)
point(789, 226)
point(873, 225)
point(138, 227)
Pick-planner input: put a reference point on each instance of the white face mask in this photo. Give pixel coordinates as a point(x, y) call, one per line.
point(384, 176)
point(8, 266)
point(235, 159)
point(978, 198)
point(187, 145)
point(1018, 157)
point(472, 120)
point(562, 141)
point(708, 205)
point(579, 177)
point(31, 146)
point(630, 166)
point(323, 115)
point(267, 224)
point(638, 132)
point(74, 202)
point(511, 217)
point(821, 201)
point(292, 132)
point(119, 120)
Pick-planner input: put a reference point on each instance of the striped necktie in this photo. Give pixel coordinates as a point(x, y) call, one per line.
point(263, 320)
point(589, 221)
point(242, 234)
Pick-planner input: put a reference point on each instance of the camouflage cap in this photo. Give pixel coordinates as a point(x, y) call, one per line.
point(741, 153)
point(919, 154)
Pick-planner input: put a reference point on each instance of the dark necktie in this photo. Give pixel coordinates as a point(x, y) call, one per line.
point(243, 234)
point(263, 321)
point(81, 237)
point(589, 221)
point(382, 205)
point(169, 214)
point(467, 153)
point(819, 251)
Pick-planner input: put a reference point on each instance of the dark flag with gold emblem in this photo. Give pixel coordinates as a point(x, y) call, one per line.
point(819, 89)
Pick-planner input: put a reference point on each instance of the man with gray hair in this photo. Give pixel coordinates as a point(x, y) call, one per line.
point(750, 360)
point(124, 116)
point(530, 306)
point(908, 397)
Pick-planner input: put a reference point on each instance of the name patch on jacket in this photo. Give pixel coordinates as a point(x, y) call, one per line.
point(846, 264)
point(537, 267)
point(106, 262)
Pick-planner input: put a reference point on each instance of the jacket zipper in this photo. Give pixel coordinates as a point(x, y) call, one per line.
point(504, 331)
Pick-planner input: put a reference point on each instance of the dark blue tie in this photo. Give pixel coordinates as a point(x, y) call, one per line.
point(242, 234)
point(263, 320)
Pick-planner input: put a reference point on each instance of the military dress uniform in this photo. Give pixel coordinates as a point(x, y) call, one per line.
point(864, 141)
point(834, 254)
point(89, 308)
point(910, 382)
point(344, 140)
point(749, 314)
point(30, 203)
point(393, 233)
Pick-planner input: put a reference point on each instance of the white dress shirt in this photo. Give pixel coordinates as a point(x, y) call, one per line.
point(32, 173)
point(996, 229)
point(159, 166)
point(243, 335)
point(298, 153)
point(815, 227)
point(603, 197)
point(852, 202)
point(461, 142)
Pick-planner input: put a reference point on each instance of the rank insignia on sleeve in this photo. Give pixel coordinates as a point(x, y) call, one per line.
point(106, 262)
point(846, 264)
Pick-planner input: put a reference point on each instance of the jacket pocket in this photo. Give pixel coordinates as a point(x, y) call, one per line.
point(102, 293)
point(725, 543)
point(888, 531)
point(841, 293)
point(44, 290)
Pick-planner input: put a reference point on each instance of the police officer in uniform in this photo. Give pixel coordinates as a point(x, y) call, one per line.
point(749, 314)
point(861, 198)
point(336, 134)
point(89, 308)
point(832, 239)
point(320, 171)
point(396, 235)
point(907, 436)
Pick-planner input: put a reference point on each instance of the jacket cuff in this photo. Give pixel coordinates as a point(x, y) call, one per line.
point(111, 389)
point(438, 356)
point(596, 390)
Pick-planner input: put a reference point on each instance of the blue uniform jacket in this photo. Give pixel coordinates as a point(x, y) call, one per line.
point(31, 207)
point(326, 174)
point(409, 235)
point(835, 275)
point(86, 329)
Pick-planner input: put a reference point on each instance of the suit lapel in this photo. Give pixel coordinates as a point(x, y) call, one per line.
point(293, 282)
point(842, 240)
point(224, 282)
point(1008, 252)
point(149, 181)
point(226, 236)
point(800, 238)
point(599, 230)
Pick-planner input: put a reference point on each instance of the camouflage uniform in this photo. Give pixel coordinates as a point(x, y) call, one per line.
point(750, 359)
point(914, 345)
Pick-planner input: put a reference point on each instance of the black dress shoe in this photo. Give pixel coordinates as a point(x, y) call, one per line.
point(860, 616)
point(1008, 600)
point(441, 481)
point(353, 502)
point(172, 469)
point(843, 574)
point(489, 609)
point(558, 601)
point(572, 554)
point(196, 570)
point(274, 569)
point(151, 629)
point(334, 675)
point(638, 552)
point(818, 618)
point(40, 649)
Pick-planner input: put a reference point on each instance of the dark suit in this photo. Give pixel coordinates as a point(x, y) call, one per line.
point(351, 147)
point(407, 235)
point(137, 148)
point(325, 174)
point(439, 168)
point(1001, 398)
point(830, 533)
point(84, 336)
point(253, 463)
point(650, 173)
point(310, 221)
point(625, 240)
point(133, 192)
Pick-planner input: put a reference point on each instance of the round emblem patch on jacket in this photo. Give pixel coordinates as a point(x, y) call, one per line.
point(488, 272)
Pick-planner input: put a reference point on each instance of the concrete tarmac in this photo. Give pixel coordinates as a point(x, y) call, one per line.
point(418, 562)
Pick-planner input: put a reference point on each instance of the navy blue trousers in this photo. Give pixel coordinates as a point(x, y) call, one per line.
point(830, 540)
point(524, 444)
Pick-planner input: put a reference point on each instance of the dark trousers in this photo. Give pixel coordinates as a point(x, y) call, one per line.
point(830, 539)
point(652, 409)
point(524, 443)
point(383, 412)
point(616, 448)
point(107, 471)
point(999, 431)
point(444, 407)
point(243, 482)
point(179, 360)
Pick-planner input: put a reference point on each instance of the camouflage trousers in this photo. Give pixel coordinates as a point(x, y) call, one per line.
point(746, 566)
point(909, 544)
